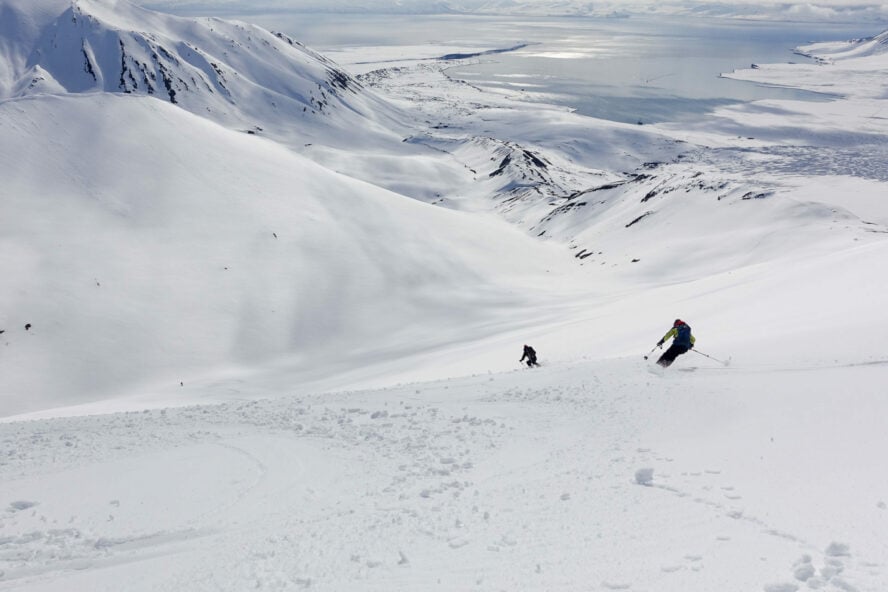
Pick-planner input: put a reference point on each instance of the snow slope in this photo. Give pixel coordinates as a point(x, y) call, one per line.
point(595, 475)
point(173, 245)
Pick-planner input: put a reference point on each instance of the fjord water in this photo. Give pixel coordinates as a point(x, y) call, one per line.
point(639, 69)
point(646, 70)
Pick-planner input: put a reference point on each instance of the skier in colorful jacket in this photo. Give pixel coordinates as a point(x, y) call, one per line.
point(682, 341)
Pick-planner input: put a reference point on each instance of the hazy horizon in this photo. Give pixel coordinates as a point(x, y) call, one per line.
point(819, 11)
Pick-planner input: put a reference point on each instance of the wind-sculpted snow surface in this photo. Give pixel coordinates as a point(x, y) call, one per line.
point(579, 476)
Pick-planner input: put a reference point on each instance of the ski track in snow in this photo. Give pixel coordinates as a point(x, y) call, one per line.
point(527, 480)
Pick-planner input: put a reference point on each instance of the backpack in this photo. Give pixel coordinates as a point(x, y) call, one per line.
point(683, 335)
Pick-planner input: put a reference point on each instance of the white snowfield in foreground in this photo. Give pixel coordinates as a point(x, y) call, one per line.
point(575, 476)
point(238, 359)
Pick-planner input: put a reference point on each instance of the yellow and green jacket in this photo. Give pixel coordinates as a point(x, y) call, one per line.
point(683, 338)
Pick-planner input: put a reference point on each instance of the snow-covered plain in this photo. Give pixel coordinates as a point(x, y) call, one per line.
point(274, 351)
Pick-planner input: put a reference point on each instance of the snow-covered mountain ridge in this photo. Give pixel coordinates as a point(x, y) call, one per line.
point(233, 73)
point(131, 202)
point(844, 50)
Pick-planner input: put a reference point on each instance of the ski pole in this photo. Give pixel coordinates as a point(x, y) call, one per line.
point(650, 352)
point(725, 362)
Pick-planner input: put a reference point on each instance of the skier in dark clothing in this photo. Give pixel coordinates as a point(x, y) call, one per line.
point(530, 355)
point(682, 341)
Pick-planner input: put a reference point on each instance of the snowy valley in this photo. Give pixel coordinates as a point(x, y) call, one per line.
point(262, 311)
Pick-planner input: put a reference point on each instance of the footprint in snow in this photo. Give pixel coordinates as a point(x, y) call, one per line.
point(781, 588)
point(615, 585)
point(830, 574)
point(644, 476)
point(804, 569)
point(730, 494)
point(20, 505)
point(838, 550)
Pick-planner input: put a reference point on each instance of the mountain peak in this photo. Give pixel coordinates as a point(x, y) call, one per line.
point(237, 74)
